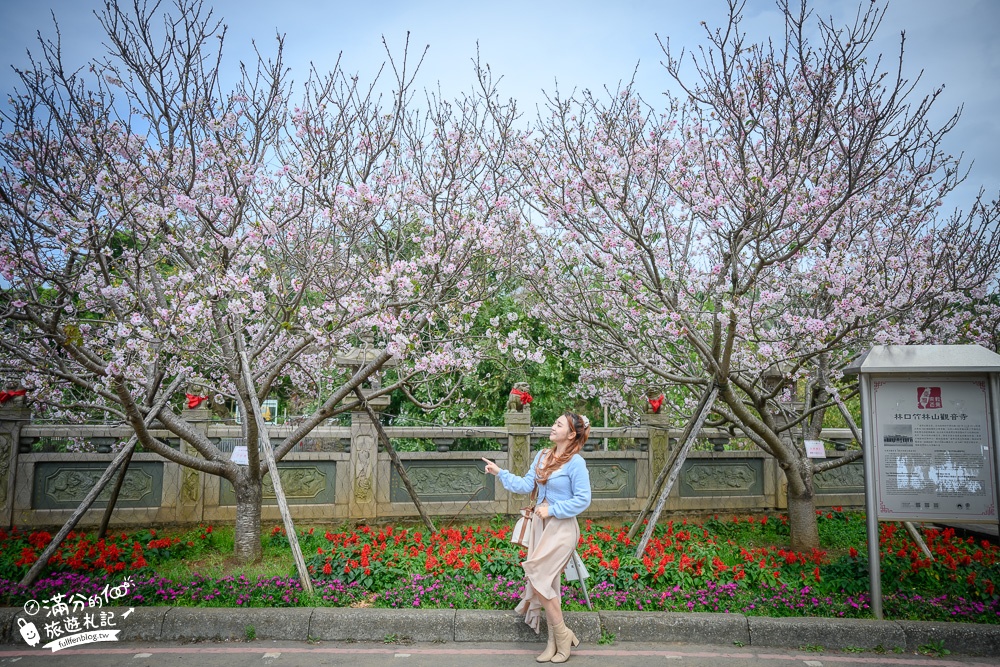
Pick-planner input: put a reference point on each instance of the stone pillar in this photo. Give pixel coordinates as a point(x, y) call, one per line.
point(519, 450)
point(364, 461)
point(191, 499)
point(13, 415)
point(659, 441)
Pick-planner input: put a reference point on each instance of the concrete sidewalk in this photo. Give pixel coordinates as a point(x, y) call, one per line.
point(181, 624)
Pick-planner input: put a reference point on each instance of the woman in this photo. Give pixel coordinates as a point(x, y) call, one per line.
point(559, 477)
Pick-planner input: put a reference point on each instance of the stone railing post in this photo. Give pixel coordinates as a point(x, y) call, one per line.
point(14, 414)
point(364, 461)
point(518, 423)
point(657, 425)
point(191, 499)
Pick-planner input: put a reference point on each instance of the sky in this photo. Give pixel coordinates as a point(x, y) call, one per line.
point(573, 45)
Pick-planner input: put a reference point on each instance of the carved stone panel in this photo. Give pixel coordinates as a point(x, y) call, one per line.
point(304, 483)
point(659, 440)
point(659, 450)
point(363, 457)
point(848, 478)
point(521, 455)
point(63, 485)
point(612, 478)
point(700, 477)
point(440, 481)
point(191, 487)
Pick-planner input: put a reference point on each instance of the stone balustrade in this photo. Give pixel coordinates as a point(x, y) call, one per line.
point(338, 473)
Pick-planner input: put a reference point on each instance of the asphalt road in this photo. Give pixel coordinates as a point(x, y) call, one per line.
point(298, 654)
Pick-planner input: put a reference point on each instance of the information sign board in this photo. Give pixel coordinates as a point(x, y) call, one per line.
point(933, 449)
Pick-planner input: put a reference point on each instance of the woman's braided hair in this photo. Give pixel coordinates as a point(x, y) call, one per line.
point(579, 425)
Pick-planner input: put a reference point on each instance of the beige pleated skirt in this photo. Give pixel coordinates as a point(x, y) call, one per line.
point(550, 546)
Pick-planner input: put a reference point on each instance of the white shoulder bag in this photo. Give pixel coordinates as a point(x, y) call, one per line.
point(522, 529)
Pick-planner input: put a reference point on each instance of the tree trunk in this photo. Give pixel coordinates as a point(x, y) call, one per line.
point(802, 527)
point(247, 544)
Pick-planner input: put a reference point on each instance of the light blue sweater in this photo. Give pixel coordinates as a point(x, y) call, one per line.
point(567, 489)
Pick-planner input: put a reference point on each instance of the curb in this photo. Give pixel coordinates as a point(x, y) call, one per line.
point(691, 628)
point(830, 633)
point(185, 624)
point(967, 638)
point(343, 623)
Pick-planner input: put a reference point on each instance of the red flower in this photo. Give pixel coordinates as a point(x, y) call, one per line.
point(27, 557)
point(40, 539)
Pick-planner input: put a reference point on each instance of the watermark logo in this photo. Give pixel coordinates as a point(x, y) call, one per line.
point(73, 620)
point(29, 632)
point(929, 398)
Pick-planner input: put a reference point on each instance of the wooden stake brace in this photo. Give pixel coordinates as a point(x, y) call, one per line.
point(120, 459)
point(272, 468)
point(396, 462)
point(674, 469)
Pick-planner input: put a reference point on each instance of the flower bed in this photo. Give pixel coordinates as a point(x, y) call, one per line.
point(722, 565)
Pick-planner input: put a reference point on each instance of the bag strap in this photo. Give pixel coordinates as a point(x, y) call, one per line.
point(534, 491)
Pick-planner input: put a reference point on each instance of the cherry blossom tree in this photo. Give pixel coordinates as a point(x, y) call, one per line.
point(759, 230)
point(159, 223)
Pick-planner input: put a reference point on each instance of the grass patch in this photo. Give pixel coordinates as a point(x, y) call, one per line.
point(934, 649)
point(276, 560)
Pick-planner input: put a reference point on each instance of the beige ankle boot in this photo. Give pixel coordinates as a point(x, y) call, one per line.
point(565, 639)
point(550, 648)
